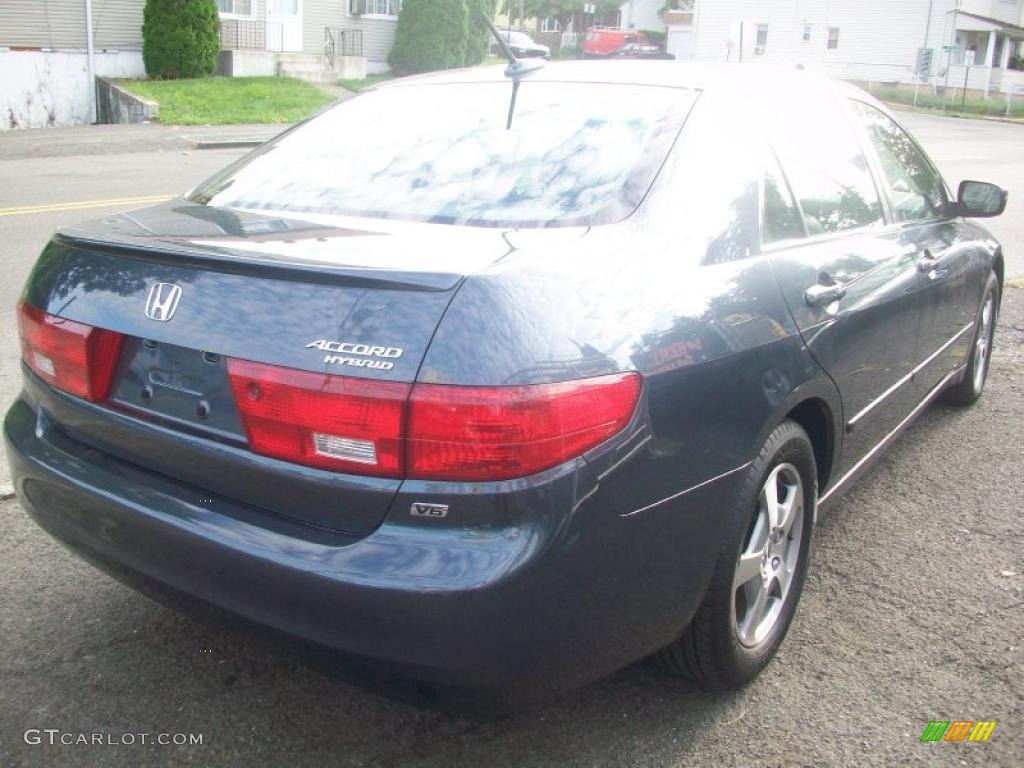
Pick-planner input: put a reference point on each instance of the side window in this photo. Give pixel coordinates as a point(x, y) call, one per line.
point(825, 166)
point(780, 218)
point(914, 186)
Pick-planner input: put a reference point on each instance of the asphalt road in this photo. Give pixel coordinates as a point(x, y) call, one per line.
point(912, 611)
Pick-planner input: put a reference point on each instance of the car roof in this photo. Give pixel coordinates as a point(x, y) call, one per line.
point(740, 79)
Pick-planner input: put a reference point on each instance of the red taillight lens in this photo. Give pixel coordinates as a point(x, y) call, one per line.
point(495, 433)
point(452, 432)
point(73, 357)
point(331, 422)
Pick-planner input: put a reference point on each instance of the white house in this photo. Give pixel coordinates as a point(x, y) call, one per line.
point(50, 51)
point(641, 14)
point(873, 40)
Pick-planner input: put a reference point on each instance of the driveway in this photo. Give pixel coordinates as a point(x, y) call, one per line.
point(912, 611)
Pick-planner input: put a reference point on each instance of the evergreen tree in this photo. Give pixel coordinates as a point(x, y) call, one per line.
point(431, 35)
point(180, 38)
point(479, 40)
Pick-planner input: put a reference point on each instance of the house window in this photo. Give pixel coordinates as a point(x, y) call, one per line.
point(761, 41)
point(807, 33)
point(833, 38)
point(376, 7)
point(549, 24)
point(235, 7)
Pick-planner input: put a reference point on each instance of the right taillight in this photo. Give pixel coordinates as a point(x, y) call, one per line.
point(498, 433)
point(438, 432)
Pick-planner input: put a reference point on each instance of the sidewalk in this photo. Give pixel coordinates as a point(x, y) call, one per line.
point(110, 139)
point(901, 107)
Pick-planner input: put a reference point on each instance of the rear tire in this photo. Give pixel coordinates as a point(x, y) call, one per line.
point(760, 570)
point(972, 385)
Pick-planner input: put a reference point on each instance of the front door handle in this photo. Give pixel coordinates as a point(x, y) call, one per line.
point(928, 261)
point(823, 293)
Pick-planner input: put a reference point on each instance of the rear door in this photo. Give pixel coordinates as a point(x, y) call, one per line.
point(848, 278)
point(921, 206)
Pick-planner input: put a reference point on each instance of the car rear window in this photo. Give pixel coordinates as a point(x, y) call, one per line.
point(577, 153)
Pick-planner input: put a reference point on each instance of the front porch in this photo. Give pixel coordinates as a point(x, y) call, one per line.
point(256, 47)
point(988, 56)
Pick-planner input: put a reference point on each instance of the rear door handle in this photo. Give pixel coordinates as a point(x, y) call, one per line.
point(822, 293)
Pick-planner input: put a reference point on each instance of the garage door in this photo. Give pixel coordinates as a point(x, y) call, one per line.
point(679, 42)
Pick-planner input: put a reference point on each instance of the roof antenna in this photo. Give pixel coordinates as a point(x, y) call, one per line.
point(516, 70)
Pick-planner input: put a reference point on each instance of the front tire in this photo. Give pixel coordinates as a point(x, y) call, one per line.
point(760, 570)
point(972, 385)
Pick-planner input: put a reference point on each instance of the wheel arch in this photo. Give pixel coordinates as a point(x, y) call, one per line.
point(817, 419)
point(1000, 269)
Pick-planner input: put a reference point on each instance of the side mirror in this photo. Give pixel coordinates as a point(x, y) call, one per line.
point(979, 199)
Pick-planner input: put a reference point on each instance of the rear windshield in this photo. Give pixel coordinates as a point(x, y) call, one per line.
point(576, 154)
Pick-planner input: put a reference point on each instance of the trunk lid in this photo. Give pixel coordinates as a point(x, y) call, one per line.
point(358, 298)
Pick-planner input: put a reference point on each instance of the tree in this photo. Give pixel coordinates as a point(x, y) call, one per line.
point(479, 38)
point(180, 38)
point(676, 5)
point(562, 10)
point(431, 35)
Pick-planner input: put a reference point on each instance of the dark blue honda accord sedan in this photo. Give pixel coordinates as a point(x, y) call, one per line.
point(508, 394)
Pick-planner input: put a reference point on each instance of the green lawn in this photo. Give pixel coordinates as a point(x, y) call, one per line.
point(367, 82)
point(951, 104)
point(371, 80)
point(223, 100)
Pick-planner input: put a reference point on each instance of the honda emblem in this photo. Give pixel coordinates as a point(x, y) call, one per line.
point(163, 301)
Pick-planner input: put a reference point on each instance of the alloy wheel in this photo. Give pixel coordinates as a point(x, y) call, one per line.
point(767, 565)
point(983, 345)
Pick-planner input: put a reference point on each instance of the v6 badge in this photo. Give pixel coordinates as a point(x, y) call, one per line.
point(421, 509)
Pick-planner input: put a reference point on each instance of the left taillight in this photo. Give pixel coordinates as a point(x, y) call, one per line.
point(74, 357)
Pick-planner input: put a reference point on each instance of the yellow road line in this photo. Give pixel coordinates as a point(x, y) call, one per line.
point(81, 205)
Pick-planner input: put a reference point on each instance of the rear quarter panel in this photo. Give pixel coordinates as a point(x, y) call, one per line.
point(676, 292)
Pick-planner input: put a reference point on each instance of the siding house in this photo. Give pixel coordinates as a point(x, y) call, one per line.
point(47, 63)
point(641, 14)
point(872, 40)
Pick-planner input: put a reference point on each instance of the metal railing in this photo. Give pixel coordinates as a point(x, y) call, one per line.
point(243, 34)
point(339, 41)
point(251, 35)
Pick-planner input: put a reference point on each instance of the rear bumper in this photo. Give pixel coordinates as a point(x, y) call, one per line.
point(565, 593)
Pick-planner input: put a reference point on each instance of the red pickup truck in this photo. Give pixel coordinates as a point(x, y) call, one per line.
point(604, 41)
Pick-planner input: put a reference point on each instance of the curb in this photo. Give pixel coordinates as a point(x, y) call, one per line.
point(900, 107)
point(231, 144)
point(6, 492)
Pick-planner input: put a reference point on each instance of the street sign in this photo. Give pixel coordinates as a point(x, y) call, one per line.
point(950, 48)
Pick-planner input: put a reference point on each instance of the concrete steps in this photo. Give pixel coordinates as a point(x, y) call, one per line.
point(313, 68)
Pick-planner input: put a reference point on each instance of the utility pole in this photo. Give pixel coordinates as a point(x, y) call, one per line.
point(522, 12)
point(949, 58)
point(90, 57)
point(927, 29)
